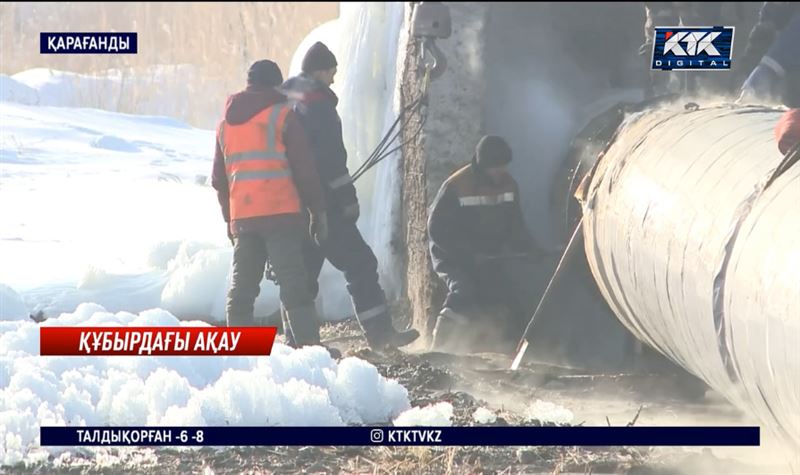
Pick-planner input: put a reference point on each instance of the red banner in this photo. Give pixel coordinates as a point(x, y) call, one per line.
point(156, 341)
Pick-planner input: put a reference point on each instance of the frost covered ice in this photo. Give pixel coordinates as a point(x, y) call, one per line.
point(291, 387)
point(438, 414)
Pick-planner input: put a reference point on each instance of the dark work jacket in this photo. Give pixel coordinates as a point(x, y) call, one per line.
point(773, 18)
point(315, 105)
point(785, 50)
point(472, 216)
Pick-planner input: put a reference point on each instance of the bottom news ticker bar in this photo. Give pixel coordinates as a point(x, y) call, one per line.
point(407, 436)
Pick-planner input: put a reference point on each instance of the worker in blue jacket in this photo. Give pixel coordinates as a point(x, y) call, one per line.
point(344, 247)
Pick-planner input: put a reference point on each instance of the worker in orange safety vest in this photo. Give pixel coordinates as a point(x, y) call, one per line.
point(265, 177)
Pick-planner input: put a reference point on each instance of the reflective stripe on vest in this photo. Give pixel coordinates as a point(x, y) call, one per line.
point(259, 176)
point(486, 200)
point(272, 151)
point(272, 131)
point(256, 155)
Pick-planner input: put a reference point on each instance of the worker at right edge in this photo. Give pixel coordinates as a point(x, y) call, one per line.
point(772, 64)
point(771, 53)
point(475, 226)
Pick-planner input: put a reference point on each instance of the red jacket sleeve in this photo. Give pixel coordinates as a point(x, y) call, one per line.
point(219, 180)
point(787, 131)
point(301, 161)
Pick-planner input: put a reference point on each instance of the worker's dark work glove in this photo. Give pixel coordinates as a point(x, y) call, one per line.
point(761, 86)
point(318, 227)
point(230, 234)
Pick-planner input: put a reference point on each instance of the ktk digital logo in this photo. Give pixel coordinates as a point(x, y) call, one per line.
point(680, 48)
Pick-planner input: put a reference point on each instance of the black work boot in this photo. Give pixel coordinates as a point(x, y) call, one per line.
point(335, 354)
point(381, 334)
point(303, 325)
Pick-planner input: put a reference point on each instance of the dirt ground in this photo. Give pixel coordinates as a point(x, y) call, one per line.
point(469, 382)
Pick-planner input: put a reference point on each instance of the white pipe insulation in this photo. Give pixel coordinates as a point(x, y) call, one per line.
point(697, 251)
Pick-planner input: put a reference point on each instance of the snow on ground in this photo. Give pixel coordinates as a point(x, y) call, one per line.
point(14, 91)
point(157, 89)
point(548, 412)
point(90, 200)
point(11, 305)
point(484, 416)
point(114, 208)
point(438, 414)
point(290, 387)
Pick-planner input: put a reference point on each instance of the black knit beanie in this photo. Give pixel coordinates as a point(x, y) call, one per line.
point(264, 73)
point(318, 58)
point(492, 151)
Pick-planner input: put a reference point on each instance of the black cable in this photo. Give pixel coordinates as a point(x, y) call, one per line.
point(386, 141)
point(385, 154)
point(382, 143)
point(413, 137)
point(377, 158)
point(408, 141)
point(378, 153)
point(387, 138)
point(378, 150)
point(381, 151)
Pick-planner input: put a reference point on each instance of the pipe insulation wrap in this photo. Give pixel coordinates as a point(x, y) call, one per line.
point(697, 251)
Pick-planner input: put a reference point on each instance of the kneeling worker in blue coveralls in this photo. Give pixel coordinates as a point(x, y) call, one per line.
point(475, 224)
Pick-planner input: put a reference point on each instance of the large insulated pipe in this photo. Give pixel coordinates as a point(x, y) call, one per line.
point(692, 232)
